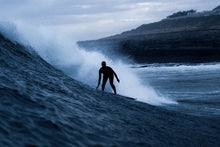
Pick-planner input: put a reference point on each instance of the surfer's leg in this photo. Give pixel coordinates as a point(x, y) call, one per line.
point(105, 78)
point(111, 79)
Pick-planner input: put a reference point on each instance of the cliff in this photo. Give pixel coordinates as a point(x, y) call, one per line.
point(194, 38)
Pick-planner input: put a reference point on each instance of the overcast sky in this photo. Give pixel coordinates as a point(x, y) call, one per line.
point(91, 19)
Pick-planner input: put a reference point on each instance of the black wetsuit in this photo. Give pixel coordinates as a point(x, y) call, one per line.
point(107, 72)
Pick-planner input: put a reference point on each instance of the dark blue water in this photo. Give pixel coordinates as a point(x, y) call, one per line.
point(196, 88)
point(41, 106)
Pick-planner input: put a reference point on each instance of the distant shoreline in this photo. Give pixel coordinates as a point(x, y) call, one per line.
point(183, 39)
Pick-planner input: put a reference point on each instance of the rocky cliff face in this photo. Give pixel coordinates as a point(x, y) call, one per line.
point(184, 39)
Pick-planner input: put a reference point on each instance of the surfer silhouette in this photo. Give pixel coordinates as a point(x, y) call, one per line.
point(108, 73)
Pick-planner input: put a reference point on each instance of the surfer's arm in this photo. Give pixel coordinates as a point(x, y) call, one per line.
point(116, 76)
point(99, 79)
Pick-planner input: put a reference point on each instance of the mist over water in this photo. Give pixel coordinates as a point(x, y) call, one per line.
point(62, 52)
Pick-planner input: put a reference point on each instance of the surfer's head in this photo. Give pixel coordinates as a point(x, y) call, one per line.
point(103, 64)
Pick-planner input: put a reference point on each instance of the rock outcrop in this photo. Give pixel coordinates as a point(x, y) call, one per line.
point(194, 38)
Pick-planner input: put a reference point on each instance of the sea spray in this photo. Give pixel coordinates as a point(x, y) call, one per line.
point(62, 52)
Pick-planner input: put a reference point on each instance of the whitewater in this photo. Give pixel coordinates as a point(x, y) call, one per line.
point(48, 97)
point(62, 52)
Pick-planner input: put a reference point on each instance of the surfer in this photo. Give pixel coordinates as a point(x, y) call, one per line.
point(108, 73)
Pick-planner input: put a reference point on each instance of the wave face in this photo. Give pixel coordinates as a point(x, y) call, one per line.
point(41, 106)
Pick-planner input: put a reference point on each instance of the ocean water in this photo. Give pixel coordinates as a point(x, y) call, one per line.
point(195, 87)
point(42, 106)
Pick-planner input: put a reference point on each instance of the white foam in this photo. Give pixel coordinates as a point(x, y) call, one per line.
point(183, 68)
point(61, 51)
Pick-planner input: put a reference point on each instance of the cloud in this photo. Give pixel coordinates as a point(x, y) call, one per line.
point(97, 17)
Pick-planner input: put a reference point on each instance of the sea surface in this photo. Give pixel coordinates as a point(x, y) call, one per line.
point(42, 106)
point(195, 87)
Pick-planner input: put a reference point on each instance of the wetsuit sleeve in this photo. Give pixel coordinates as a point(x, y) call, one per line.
point(99, 80)
point(115, 75)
